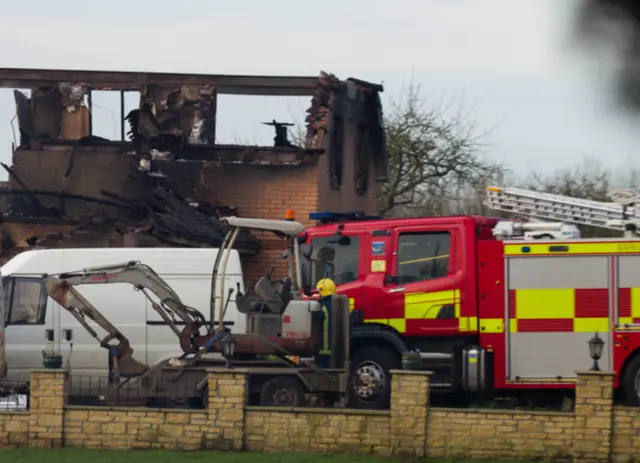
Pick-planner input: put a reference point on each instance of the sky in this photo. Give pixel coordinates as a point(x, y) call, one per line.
point(509, 65)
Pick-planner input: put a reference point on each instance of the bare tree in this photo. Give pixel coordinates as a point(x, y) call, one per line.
point(434, 157)
point(587, 180)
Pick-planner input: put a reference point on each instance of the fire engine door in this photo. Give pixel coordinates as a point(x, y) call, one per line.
point(423, 286)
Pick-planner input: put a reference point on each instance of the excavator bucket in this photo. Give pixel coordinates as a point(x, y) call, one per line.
point(77, 305)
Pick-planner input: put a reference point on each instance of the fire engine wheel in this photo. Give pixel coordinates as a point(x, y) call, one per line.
point(282, 391)
point(631, 382)
point(371, 381)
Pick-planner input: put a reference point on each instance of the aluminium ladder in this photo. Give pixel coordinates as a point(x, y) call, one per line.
point(547, 206)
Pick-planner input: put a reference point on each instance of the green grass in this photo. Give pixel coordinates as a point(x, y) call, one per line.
point(114, 456)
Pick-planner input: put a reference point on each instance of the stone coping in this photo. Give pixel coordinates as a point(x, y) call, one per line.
point(14, 412)
point(49, 370)
point(319, 411)
point(493, 411)
point(243, 371)
point(101, 408)
point(411, 372)
point(595, 373)
point(325, 411)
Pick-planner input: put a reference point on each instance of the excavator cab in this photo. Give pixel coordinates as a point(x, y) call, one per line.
point(273, 298)
point(282, 313)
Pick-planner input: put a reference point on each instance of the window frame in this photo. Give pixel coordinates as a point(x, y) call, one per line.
point(42, 302)
point(399, 236)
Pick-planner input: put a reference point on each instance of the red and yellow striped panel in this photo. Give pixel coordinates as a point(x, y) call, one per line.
point(559, 310)
point(628, 306)
point(421, 311)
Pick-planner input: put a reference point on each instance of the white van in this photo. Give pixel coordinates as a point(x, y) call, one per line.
point(30, 312)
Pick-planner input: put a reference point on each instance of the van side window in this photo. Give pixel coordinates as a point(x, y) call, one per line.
point(27, 301)
point(422, 256)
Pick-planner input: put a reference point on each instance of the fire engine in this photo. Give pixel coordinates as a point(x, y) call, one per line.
point(490, 304)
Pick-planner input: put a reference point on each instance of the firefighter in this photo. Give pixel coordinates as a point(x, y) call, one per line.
point(327, 288)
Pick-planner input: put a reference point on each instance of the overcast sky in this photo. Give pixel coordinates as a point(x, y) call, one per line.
point(510, 62)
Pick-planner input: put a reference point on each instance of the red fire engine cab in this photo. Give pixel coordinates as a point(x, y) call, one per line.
point(484, 313)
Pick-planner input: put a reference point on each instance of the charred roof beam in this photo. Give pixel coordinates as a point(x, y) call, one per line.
point(115, 80)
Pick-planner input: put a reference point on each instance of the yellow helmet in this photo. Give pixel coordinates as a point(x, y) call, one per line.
point(326, 286)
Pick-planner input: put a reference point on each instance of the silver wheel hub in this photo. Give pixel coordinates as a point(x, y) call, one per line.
point(371, 380)
point(636, 383)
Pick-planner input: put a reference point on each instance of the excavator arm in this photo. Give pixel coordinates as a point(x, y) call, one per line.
point(143, 278)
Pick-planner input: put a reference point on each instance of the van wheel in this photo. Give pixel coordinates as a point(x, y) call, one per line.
point(631, 382)
point(370, 379)
point(282, 392)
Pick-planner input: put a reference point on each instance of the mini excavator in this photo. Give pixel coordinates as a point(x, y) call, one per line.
point(281, 323)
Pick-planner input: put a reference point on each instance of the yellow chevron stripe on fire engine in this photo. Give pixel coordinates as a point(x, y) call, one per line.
point(628, 247)
point(468, 324)
point(418, 306)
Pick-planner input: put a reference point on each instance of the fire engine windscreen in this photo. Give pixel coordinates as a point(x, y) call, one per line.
point(345, 261)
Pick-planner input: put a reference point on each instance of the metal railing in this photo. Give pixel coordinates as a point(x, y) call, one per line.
point(99, 391)
point(14, 396)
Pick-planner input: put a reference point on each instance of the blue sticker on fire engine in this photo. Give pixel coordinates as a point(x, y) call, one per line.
point(377, 248)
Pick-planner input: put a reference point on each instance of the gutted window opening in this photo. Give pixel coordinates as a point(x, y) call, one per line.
point(257, 120)
point(20, 116)
point(336, 152)
point(362, 162)
point(107, 110)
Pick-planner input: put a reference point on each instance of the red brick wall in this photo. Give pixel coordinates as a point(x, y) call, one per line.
point(262, 192)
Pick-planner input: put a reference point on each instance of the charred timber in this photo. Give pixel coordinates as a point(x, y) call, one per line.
point(133, 81)
point(202, 153)
point(57, 194)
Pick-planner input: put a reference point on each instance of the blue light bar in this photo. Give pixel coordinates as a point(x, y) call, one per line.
point(329, 217)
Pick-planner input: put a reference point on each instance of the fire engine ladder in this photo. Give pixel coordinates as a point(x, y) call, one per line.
point(547, 206)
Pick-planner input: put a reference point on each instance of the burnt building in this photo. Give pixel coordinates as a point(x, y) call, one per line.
point(168, 181)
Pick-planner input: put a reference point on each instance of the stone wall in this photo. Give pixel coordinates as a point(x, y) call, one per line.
point(595, 432)
point(625, 445)
point(14, 429)
point(488, 434)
